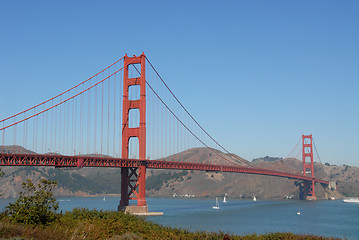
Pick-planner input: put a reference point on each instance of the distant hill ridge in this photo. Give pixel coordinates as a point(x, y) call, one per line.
point(15, 149)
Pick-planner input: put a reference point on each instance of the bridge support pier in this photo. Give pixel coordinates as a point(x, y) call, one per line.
point(309, 190)
point(133, 187)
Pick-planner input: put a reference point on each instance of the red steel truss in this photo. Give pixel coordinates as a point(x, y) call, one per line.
point(83, 161)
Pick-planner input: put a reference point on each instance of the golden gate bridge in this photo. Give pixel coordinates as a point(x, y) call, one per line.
point(127, 117)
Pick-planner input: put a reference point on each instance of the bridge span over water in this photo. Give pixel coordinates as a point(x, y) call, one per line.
point(151, 123)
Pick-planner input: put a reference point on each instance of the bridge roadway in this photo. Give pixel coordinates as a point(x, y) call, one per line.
point(85, 161)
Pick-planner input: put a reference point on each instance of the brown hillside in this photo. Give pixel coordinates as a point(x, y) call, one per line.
point(15, 149)
point(233, 184)
point(206, 155)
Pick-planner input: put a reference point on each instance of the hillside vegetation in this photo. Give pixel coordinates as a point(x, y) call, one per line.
point(86, 224)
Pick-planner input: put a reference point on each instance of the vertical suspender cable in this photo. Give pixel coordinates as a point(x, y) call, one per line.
point(88, 121)
point(80, 125)
point(61, 133)
point(3, 139)
point(24, 137)
point(68, 128)
point(52, 125)
point(114, 117)
point(75, 126)
point(46, 134)
point(108, 114)
point(55, 149)
point(101, 117)
point(36, 120)
point(14, 132)
point(72, 128)
point(95, 119)
point(33, 131)
point(43, 131)
point(64, 130)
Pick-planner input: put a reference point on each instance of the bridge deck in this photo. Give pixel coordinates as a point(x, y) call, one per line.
point(85, 161)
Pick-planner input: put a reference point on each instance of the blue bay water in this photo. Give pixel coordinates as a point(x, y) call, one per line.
point(324, 218)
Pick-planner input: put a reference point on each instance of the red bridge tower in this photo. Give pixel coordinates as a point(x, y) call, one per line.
point(308, 166)
point(133, 179)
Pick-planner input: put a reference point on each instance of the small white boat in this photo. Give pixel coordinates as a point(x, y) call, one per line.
point(298, 213)
point(351, 200)
point(104, 198)
point(224, 198)
point(254, 198)
point(217, 204)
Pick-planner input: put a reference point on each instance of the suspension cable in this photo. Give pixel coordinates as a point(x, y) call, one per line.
point(61, 93)
point(316, 150)
point(279, 163)
point(66, 100)
point(232, 155)
point(183, 123)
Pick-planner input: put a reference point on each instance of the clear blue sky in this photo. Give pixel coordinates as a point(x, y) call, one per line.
point(255, 74)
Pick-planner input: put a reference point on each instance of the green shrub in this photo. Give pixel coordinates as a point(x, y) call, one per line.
point(36, 204)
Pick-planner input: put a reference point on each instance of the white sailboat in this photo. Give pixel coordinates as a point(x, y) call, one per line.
point(224, 198)
point(104, 199)
point(254, 198)
point(217, 204)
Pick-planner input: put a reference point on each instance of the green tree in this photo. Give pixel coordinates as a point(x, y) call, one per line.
point(36, 204)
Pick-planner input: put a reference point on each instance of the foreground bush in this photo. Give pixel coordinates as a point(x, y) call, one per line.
point(36, 204)
point(92, 224)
